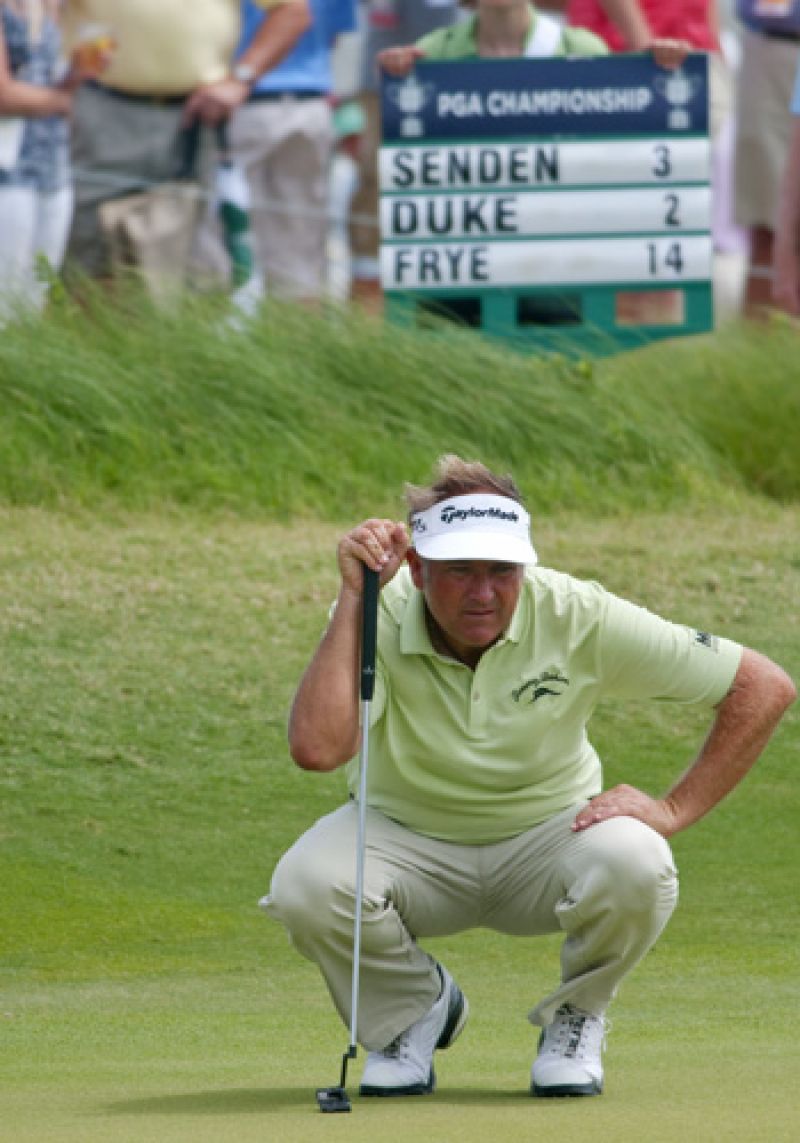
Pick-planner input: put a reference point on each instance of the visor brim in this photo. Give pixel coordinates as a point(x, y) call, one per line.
point(474, 545)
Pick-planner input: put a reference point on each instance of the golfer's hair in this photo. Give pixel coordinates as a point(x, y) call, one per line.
point(456, 477)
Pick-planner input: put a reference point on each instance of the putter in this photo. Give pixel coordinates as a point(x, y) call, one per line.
point(333, 1099)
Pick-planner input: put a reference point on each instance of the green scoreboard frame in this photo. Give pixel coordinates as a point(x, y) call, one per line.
point(562, 205)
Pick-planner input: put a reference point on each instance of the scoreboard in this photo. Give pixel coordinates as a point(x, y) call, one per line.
point(555, 202)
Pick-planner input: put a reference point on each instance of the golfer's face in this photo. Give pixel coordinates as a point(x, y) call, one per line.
point(472, 601)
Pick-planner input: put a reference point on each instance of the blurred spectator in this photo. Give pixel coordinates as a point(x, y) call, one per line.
point(669, 30)
point(513, 28)
point(282, 138)
point(387, 23)
point(770, 42)
point(36, 194)
point(173, 65)
point(786, 265)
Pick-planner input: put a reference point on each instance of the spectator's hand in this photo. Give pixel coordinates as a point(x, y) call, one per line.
point(88, 61)
point(627, 802)
point(786, 275)
point(215, 102)
point(380, 544)
point(399, 61)
point(670, 54)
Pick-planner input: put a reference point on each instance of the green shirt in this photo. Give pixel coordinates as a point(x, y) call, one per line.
point(478, 757)
point(459, 41)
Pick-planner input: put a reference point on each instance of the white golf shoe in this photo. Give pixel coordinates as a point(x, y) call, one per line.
point(405, 1067)
point(569, 1060)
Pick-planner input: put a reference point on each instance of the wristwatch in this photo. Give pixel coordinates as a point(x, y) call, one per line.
point(245, 73)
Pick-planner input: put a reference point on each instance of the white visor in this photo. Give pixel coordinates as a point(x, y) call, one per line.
point(479, 527)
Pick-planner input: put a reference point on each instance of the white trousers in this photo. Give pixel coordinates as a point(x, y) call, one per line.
point(610, 889)
point(32, 225)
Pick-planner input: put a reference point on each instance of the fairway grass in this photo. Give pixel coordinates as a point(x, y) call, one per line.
point(146, 793)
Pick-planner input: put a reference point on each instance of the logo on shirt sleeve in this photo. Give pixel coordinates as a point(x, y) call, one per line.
point(710, 642)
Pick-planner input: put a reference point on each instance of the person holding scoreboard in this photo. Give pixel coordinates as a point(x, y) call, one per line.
point(512, 28)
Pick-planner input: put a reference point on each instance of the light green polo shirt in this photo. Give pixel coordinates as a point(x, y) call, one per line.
point(478, 757)
point(459, 41)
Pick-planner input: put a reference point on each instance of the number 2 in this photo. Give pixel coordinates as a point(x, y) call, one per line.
point(672, 202)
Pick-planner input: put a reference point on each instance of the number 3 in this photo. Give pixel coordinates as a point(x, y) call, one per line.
point(663, 166)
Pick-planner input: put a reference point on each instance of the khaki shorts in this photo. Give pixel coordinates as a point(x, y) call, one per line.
point(118, 145)
point(284, 146)
point(763, 126)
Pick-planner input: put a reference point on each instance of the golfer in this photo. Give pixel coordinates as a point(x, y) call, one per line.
point(485, 799)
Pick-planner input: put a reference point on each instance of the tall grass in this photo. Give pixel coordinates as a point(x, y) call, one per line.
point(329, 414)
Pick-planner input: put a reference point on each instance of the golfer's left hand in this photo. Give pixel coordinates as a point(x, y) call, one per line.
point(627, 802)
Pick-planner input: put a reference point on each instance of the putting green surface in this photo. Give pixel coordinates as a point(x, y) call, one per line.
point(188, 1060)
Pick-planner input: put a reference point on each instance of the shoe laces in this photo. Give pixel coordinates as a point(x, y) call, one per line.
point(574, 1034)
point(403, 1046)
point(398, 1049)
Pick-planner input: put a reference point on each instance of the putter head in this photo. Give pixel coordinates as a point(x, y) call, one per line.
point(333, 1099)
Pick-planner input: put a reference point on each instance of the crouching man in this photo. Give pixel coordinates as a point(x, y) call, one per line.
point(485, 806)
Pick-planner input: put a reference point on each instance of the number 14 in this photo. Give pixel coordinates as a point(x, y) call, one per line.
point(672, 259)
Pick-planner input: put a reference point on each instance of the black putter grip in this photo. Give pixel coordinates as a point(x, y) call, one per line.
point(369, 633)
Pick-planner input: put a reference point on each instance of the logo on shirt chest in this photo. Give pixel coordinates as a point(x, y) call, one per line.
point(551, 683)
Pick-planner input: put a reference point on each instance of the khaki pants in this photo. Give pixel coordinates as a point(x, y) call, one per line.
point(610, 889)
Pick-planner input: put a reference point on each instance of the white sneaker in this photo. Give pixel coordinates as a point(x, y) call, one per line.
point(405, 1067)
point(569, 1055)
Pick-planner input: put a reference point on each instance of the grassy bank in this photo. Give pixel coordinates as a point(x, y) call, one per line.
point(327, 416)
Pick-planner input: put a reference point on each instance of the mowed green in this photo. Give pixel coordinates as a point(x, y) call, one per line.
point(147, 665)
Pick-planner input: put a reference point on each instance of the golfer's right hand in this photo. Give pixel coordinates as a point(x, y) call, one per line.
point(399, 61)
point(380, 544)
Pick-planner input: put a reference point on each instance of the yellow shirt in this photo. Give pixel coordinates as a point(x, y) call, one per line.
point(480, 756)
point(164, 47)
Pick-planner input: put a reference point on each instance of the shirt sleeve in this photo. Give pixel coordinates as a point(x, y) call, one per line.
point(643, 656)
point(583, 43)
point(435, 43)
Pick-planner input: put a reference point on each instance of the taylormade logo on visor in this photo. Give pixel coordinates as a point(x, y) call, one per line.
point(454, 514)
point(475, 527)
